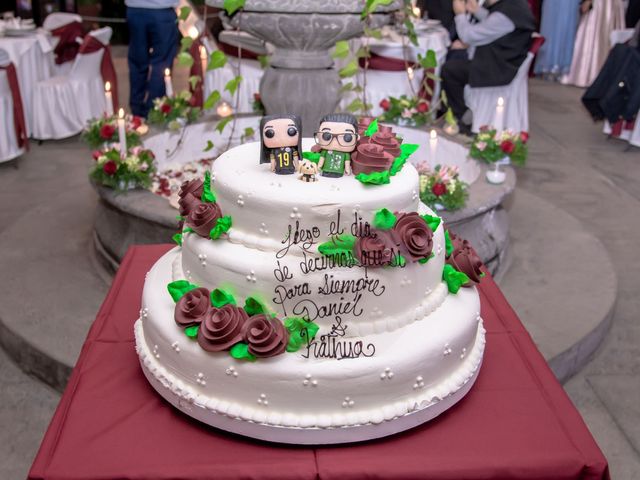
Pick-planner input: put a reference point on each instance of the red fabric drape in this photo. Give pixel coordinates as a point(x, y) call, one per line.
point(389, 64)
point(616, 128)
point(92, 44)
point(233, 51)
point(67, 47)
point(18, 112)
point(197, 99)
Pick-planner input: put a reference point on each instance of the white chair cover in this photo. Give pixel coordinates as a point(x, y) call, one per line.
point(483, 102)
point(8, 142)
point(251, 72)
point(621, 36)
point(56, 20)
point(63, 105)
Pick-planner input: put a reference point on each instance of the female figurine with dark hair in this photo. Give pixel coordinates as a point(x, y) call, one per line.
point(281, 140)
point(337, 136)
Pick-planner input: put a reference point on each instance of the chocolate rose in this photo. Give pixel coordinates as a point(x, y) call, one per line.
point(222, 328)
point(415, 235)
point(265, 336)
point(465, 260)
point(187, 203)
point(373, 251)
point(203, 218)
point(363, 124)
point(370, 157)
point(456, 241)
point(191, 308)
point(388, 141)
point(190, 193)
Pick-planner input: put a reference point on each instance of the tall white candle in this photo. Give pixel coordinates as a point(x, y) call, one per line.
point(108, 97)
point(203, 59)
point(500, 115)
point(122, 133)
point(168, 86)
point(433, 145)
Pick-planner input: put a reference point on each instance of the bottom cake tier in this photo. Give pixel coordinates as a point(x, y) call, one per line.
point(396, 381)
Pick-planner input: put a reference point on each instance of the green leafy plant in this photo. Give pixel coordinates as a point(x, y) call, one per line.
point(441, 188)
point(489, 145)
point(132, 170)
point(104, 130)
point(173, 111)
point(412, 111)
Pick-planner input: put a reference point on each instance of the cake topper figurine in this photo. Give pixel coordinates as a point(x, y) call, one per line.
point(308, 171)
point(281, 142)
point(337, 136)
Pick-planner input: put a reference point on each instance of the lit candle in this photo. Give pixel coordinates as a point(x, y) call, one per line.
point(500, 115)
point(433, 144)
point(224, 109)
point(416, 11)
point(122, 133)
point(203, 59)
point(108, 97)
point(410, 73)
point(193, 32)
point(168, 86)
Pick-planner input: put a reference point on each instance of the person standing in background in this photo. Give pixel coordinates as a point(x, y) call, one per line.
point(599, 19)
point(558, 27)
point(153, 44)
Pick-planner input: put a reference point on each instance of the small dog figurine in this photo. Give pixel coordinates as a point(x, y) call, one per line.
point(308, 171)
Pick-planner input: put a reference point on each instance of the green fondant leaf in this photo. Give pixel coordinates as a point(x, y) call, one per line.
point(432, 221)
point(374, 178)
point(408, 149)
point(454, 278)
point(397, 165)
point(207, 194)
point(240, 351)
point(192, 331)
point(372, 128)
point(300, 332)
point(398, 261)
point(223, 225)
point(313, 156)
point(254, 307)
point(384, 219)
point(426, 259)
point(178, 288)
point(447, 243)
point(187, 230)
point(177, 238)
point(220, 298)
point(338, 244)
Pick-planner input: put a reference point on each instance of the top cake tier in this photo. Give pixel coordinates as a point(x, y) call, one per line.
point(263, 205)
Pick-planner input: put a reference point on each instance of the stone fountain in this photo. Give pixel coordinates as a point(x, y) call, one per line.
point(300, 78)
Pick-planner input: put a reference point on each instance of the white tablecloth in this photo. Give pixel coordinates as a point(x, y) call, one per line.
point(33, 57)
point(435, 38)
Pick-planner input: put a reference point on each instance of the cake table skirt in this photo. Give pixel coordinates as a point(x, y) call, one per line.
point(516, 422)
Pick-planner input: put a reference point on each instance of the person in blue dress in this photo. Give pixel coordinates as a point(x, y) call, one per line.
point(558, 26)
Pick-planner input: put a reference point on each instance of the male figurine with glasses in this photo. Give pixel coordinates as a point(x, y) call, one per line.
point(337, 137)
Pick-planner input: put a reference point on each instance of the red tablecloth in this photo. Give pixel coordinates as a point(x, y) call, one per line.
point(516, 422)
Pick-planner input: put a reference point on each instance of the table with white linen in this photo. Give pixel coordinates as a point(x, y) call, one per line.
point(384, 84)
point(32, 56)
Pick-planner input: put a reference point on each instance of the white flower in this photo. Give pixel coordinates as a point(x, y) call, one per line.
point(481, 146)
point(409, 113)
point(132, 163)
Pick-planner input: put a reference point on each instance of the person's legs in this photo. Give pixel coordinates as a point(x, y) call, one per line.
point(455, 75)
point(138, 57)
point(164, 41)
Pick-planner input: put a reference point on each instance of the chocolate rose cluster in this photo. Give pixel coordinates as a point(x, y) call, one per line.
point(410, 237)
point(219, 329)
point(375, 153)
point(200, 216)
point(190, 193)
point(465, 259)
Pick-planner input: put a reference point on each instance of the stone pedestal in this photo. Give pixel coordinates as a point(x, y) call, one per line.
point(300, 78)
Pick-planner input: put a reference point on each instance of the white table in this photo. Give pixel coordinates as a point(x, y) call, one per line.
point(33, 57)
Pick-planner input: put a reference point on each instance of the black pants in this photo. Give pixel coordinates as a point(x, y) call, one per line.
point(455, 75)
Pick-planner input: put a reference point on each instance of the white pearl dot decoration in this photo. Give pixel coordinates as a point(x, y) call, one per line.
point(309, 380)
point(144, 313)
point(263, 229)
point(200, 379)
point(231, 371)
point(295, 213)
point(240, 200)
point(447, 349)
point(463, 354)
point(419, 383)
point(348, 403)
point(203, 259)
point(251, 278)
point(155, 351)
point(387, 374)
point(262, 400)
point(176, 347)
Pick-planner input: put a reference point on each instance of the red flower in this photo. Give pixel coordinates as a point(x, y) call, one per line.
point(423, 107)
point(257, 97)
point(136, 122)
point(110, 168)
point(439, 189)
point(385, 104)
point(165, 108)
point(524, 136)
point(96, 154)
point(484, 128)
point(106, 131)
point(507, 146)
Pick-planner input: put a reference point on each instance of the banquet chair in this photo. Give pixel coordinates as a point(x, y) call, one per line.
point(63, 25)
point(483, 102)
point(10, 147)
point(63, 105)
point(251, 73)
